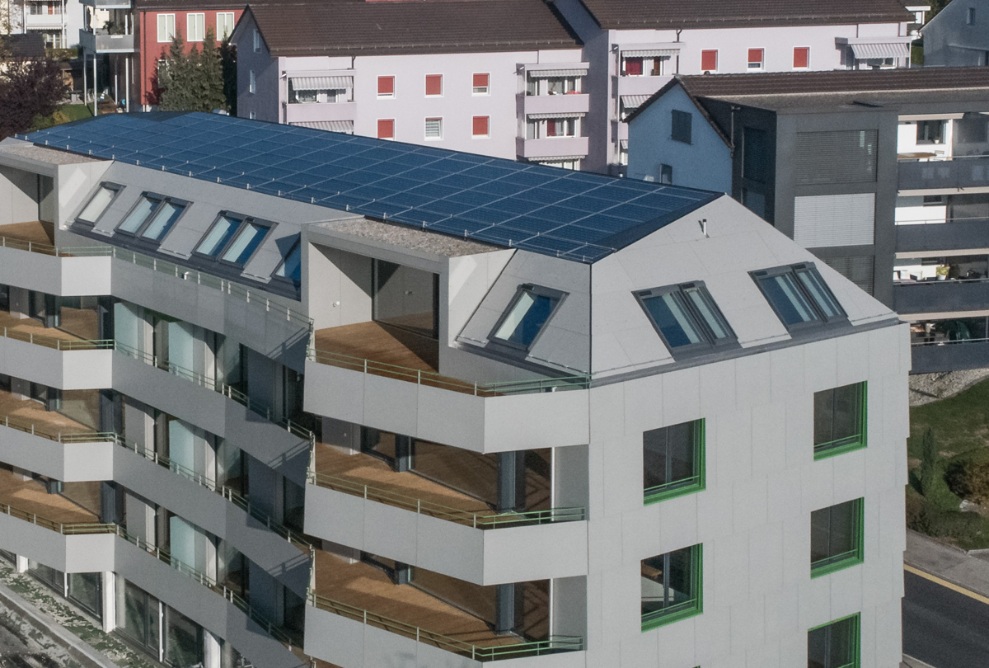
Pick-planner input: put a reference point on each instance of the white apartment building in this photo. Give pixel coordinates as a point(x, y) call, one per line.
point(305, 398)
point(58, 21)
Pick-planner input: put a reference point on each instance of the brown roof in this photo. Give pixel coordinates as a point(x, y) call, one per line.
point(673, 14)
point(355, 27)
point(187, 6)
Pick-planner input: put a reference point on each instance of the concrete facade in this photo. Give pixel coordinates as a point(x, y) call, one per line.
point(958, 36)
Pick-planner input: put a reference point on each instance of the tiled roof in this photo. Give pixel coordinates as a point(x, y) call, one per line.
point(186, 6)
point(674, 14)
point(355, 27)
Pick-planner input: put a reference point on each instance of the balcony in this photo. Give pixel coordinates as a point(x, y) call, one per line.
point(42, 21)
point(102, 42)
point(420, 517)
point(941, 299)
point(313, 112)
point(639, 85)
point(551, 147)
point(109, 4)
point(569, 103)
point(29, 260)
point(358, 615)
point(932, 238)
point(969, 173)
point(368, 374)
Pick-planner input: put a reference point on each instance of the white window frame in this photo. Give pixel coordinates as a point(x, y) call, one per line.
point(166, 28)
point(224, 25)
point(195, 27)
point(753, 66)
point(437, 122)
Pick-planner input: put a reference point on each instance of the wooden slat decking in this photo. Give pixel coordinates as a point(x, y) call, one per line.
point(380, 343)
point(75, 322)
point(30, 496)
point(34, 232)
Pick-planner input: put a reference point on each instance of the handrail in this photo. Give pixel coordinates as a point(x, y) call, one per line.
point(55, 342)
point(500, 650)
point(947, 342)
point(256, 298)
point(477, 520)
point(64, 528)
point(29, 427)
point(434, 379)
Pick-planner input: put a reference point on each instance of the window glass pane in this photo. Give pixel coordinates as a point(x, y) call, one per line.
point(138, 215)
point(790, 303)
point(669, 584)
point(163, 220)
point(669, 456)
point(674, 323)
point(707, 312)
point(819, 293)
point(526, 318)
point(820, 533)
point(101, 200)
point(218, 237)
point(291, 266)
point(249, 239)
point(838, 416)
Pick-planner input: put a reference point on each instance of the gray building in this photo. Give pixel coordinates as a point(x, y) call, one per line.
point(958, 35)
point(284, 395)
point(863, 168)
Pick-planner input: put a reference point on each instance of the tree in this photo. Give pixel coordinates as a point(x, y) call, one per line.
point(192, 81)
point(29, 90)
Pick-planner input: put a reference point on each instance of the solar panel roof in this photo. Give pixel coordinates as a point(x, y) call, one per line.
point(574, 215)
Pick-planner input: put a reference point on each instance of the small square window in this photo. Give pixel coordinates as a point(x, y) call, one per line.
point(526, 316)
point(970, 16)
point(686, 317)
point(671, 586)
point(681, 126)
point(673, 461)
point(756, 59)
point(386, 86)
point(481, 83)
point(386, 128)
point(836, 537)
point(835, 645)
point(434, 128)
point(799, 296)
point(839, 420)
point(709, 61)
point(152, 217)
point(434, 85)
point(98, 203)
point(479, 126)
point(801, 57)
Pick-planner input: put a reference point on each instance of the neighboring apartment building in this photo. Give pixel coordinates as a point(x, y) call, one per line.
point(958, 35)
point(633, 49)
point(520, 414)
point(57, 21)
point(862, 168)
point(501, 78)
point(124, 40)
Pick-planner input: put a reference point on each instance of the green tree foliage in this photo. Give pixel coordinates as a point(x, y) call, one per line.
point(192, 81)
point(29, 90)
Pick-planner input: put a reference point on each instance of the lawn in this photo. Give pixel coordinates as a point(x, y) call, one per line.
point(960, 424)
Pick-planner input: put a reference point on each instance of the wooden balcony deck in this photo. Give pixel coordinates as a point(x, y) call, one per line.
point(34, 232)
point(380, 343)
point(78, 325)
point(76, 505)
point(23, 412)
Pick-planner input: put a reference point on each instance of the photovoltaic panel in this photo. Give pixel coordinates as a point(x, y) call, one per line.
point(580, 216)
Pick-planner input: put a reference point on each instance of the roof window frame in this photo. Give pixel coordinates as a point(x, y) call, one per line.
point(229, 240)
point(506, 343)
point(105, 185)
point(139, 233)
point(819, 304)
point(704, 324)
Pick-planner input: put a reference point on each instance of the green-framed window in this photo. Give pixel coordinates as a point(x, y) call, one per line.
point(835, 644)
point(673, 460)
point(836, 537)
point(839, 420)
point(672, 586)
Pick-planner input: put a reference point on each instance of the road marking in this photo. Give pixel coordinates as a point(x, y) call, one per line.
point(947, 585)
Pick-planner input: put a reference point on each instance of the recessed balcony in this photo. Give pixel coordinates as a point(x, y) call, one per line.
point(968, 173)
point(34, 236)
point(75, 509)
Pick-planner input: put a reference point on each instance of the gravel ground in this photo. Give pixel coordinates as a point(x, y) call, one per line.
point(928, 387)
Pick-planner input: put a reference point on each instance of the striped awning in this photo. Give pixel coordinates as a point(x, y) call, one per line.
point(652, 50)
point(321, 83)
point(878, 50)
point(631, 102)
point(552, 74)
point(346, 127)
point(551, 116)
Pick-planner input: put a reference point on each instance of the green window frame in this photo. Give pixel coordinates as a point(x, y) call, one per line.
point(840, 420)
point(836, 644)
point(837, 537)
point(673, 460)
point(672, 586)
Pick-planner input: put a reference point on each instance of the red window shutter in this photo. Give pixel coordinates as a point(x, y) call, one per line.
point(386, 85)
point(434, 84)
point(709, 61)
point(633, 66)
point(755, 55)
point(480, 126)
point(386, 128)
point(481, 80)
point(801, 56)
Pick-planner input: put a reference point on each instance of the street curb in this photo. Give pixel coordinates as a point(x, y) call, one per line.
point(40, 620)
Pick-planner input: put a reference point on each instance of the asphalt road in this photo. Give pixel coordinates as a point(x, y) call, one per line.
point(942, 627)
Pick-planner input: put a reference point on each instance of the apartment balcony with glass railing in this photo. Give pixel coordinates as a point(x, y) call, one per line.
point(969, 173)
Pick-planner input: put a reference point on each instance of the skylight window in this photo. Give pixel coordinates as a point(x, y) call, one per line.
point(686, 316)
point(99, 203)
point(799, 295)
point(152, 217)
point(291, 266)
point(525, 318)
point(232, 239)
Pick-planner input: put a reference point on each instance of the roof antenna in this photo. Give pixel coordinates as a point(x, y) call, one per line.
point(703, 222)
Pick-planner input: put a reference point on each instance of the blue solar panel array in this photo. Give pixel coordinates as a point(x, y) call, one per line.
point(574, 215)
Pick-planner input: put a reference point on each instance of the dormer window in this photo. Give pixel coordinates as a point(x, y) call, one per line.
point(799, 295)
point(152, 217)
point(98, 203)
point(528, 314)
point(686, 316)
point(232, 239)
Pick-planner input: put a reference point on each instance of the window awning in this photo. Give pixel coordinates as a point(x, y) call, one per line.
point(551, 74)
point(552, 116)
point(652, 50)
point(321, 83)
point(623, 144)
point(346, 127)
point(631, 102)
point(875, 50)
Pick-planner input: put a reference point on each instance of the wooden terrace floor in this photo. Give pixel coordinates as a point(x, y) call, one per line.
point(27, 411)
point(34, 232)
point(380, 343)
point(30, 496)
